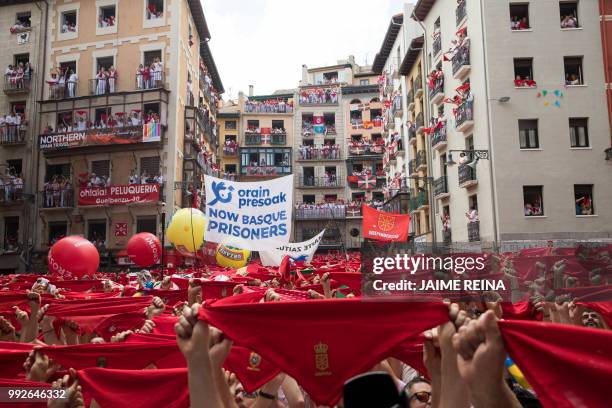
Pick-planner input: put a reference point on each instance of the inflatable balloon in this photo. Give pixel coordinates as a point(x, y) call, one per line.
point(186, 229)
point(73, 257)
point(231, 256)
point(144, 249)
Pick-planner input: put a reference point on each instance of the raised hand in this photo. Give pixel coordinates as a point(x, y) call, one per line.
point(39, 367)
point(157, 307)
point(7, 330)
point(194, 292)
point(74, 396)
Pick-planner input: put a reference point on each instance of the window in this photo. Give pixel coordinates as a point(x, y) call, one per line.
point(308, 199)
point(146, 224)
point(230, 125)
point(308, 142)
point(330, 77)
point(101, 168)
point(96, 231)
point(151, 109)
point(330, 198)
point(253, 125)
point(21, 59)
point(278, 124)
point(356, 138)
point(523, 72)
point(357, 167)
point(579, 132)
point(573, 71)
point(24, 19)
point(473, 202)
point(569, 14)
point(230, 168)
point(358, 196)
point(528, 133)
point(532, 201)
point(62, 170)
point(155, 9)
point(18, 107)
point(149, 57)
point(583, 194)
point(104, 62)
point(107, 16)
point(230, 138)
point(150, 165)
point(57, 231)
point(364, 82)
point(101, 114)
point(68, 22)
point(519, 16)
point(14, 167)
point(11, 234)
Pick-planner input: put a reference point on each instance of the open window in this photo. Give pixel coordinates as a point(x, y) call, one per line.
point(532, 201)
point(68, 21)
point(57, 231)
point(579, 132)
point(583, 194)
point(523, 73)
point(11, 234)
point(230, 168)
point(278, 124)
point(230, 125)
point(150, 167)
point(146, 224)
point(24, 19)
point(573, 71)
point(519, 16)
point(96, 232)
point(149, 57)
point(569, 14)
point(308, 198)
point(107, 16)
point(330, 77)
point(155, 9)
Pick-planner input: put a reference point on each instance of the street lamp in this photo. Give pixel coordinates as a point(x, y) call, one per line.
point(477, 154)
point(163, 238)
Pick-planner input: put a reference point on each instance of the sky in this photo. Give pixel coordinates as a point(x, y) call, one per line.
point(265, 42)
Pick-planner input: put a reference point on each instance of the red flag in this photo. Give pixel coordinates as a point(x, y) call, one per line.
point(567, 366)
point(384, 226)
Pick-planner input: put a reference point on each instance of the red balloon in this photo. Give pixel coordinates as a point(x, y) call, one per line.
point(73, 257)
point(144, 249)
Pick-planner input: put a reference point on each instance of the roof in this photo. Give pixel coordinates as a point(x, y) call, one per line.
point(360, 89)
point(325, 68)
point(416, 45)
point(212, 67)
point(195, 6)
point(394, 27)
point(224, 115)
point(422, 8)
point(198, 17)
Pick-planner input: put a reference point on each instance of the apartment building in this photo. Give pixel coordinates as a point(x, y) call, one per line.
point(127, 121)
point(525, 128)
point(22, 48)
point(230, 132)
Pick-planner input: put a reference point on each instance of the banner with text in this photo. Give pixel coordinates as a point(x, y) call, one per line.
point(150, 132)
point(299, 251)
point(384, 226)
point(256, 213)
point(119, 195)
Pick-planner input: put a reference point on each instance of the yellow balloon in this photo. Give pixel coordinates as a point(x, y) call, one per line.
point(231, 256)
point(186, 229)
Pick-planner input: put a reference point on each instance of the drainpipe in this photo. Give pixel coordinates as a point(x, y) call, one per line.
point(426, 108)
point(490, 129)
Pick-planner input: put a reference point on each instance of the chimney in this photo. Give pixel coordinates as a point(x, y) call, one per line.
point(250, 90)
point(304, 74)
point(352, 59)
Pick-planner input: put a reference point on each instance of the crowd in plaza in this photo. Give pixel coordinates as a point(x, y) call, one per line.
point(268, 106)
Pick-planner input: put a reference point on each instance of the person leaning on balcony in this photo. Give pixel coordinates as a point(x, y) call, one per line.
point(112, 78)
point(72, 81)
point(472, 215)
point(101, 80)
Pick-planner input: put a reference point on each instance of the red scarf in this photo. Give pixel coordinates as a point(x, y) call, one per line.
point(135, 388)
point(344, 337)
point(12, 357)
point(164, 324)
point(567, 366)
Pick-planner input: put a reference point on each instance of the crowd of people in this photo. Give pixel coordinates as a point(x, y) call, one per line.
point(116, 120)
point(18, 76)
point(524, 82)
point(106, 21)
point(230, 147)
point(11, 187)
point(153, 12)
point(106, 81)
point(332, 209)
point(519, 23)
point(69, 26)
point(58, 192)
point(63, 83)
point(13, 127)
point(269, 106)
point(329, 179)
point(324, 152)
point(201, 337)
point(146, 178)
point(319, 95)
point(150, 76)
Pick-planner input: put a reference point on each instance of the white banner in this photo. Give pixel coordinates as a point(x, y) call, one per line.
point(256, 213)
point(299, 251)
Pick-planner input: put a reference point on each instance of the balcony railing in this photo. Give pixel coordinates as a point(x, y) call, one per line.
point(252, 139)
point(461, 11)
point(230, 150)
point(421, 159)
point(437, 45)
point(14, 85)
point(12, 134)
point(420, 122)
point(278, 139)
point(462, 57)
point(332, 211)
point(440, 186)
point(439, 136)
point(57, 198)
point(11, 194)
point(333, 181)
point(264, 171)
point(438, 87)
point(365, 149)
point(318, 96)
point(57, 90)
point(152, 81)
point(464, 113)
point(466, 175)
point(419, 201)
point(320, 153)
point(473, 231)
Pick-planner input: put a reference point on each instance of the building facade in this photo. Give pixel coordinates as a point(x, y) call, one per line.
point(22, 56)
point(525, 130)
point(127, 121)
point(230, 132)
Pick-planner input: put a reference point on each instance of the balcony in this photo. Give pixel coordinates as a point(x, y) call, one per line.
point(230, 150)
point(464, 116)
point(437, 45)
point(251, 139)
point(461, 11)
point(333, 181)
point(309, 96)
point(412, 135)
point(421, 160)
point(366, 149)
point(320, 212)
point(473, 231)
point(278, 138)
point(154, 80)
point(412, 167)
point(467, 176)
point(461, 61)
point(436, 94)
point(116, 137)
point(309, 153)
point(439, 141)
point(420, 123)
point(59, 91)
point(265, 171)
point(60, 199)
point(14, 86)
point(11, 194)
point(397, 106)
point(440, 186)
point(410, 100)
point(12, 135)
point(418, 87)
point(419, 202)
